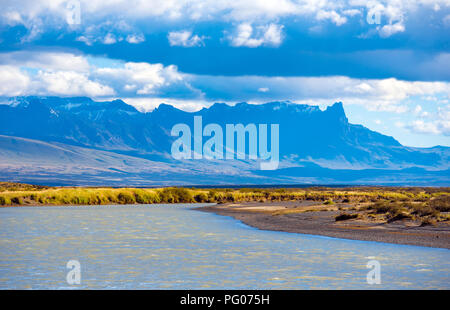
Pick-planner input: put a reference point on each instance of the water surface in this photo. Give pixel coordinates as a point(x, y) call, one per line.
point(173, 247)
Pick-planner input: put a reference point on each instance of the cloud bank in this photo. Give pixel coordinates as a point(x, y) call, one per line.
point(103, 21)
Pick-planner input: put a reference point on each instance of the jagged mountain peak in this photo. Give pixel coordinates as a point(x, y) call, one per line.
point(165, 107)
point(337, 111)
point(70, 103)
point(218, 106)
point(306, 132)
point(337, 107)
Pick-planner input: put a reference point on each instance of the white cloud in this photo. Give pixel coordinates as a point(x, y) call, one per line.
point(249, 10)
point(12, 18)
point(331, 15)
point(243, 37)
point(85, 40)
point(110, 32)
point(391, 29)
point(39, 16)
point(50, 73)
point(46, 60)
point(351, 12)
point(439, 125)
point(70, 83)
point(143, 78)
point(13, 82)
point(436, 128)
point(389, 95)
point(263, 89)
point(109, 39)
point(419, 126)
point(185, 38)
point(135, 38)
point(392, 13)
point(54, 73)
point(249, 36)
point(273, 34)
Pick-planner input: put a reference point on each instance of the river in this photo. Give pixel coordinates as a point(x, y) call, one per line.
point(174, 247)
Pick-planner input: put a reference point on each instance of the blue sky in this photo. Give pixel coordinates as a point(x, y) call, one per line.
point(387, 61)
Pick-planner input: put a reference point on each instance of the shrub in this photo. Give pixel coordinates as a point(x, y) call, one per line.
point(176, 195)
point(230, 197)
point(140, 198)
point(385, 207)
point(165, 196)
point(426, 222)
point(211, 194)
point(125, 198)
point(202, 197)
point(345, 216)
point(424, 210)
point(17, 200)
point(183, 195)
point(440, 203)
point(380, 207)
point(398, 216)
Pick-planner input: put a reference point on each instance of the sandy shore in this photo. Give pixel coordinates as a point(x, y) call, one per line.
point(304, 217)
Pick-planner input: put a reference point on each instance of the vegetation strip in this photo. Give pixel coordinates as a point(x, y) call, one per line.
point(429, 205)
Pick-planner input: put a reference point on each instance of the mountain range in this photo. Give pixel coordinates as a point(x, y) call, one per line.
point(79, 141)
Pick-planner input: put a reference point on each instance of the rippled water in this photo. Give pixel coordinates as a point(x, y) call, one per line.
point(171, 246)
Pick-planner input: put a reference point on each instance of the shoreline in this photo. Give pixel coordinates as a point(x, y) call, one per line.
point(286, 217)
point(277, 216)
point(414, 216)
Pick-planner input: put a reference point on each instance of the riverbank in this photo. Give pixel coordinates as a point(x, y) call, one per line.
point(361, 223)
point(18, 194)
point(406, 215)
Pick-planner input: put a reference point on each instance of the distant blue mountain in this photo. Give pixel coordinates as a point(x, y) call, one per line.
point(315, 146)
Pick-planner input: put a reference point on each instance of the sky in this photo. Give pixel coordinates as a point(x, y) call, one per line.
point(387, 61)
